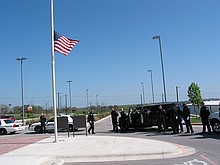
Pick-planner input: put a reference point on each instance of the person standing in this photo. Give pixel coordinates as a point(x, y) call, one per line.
point(91, 121)
point(174, 118)
point(180, 124)
point(123, 123)
point(186, 118)
point(161, 118)
point(204, 114)
point(114, 116)
point(43, 123)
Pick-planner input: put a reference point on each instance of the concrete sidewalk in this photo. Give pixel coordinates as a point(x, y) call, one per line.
point(93, 148)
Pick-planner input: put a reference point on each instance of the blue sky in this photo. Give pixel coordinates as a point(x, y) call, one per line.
point(115, 50)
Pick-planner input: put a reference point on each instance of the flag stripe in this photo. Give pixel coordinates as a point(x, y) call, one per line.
point(62, 44)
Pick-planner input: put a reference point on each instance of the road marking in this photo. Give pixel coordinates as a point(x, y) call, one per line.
point(193, 162)
point(207, 159)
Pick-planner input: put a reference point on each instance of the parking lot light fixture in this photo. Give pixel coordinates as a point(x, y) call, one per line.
point(142, 84)
point(152, 85)
point(87, 98)
point(22, 87)
point(69, 81)
point(161, 57)
point(177, 93)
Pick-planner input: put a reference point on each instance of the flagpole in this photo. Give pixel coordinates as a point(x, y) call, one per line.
point(53, 73)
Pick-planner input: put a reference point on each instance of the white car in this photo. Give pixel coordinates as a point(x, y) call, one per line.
point(9, 126)
point(50, 125)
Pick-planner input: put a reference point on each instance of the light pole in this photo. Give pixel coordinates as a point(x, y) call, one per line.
point(177, 94)
point(69, 92)
point(58, 100)
point(22, 87)
point(66, 103)
point(161, 57)
point(97, 103)
point(87, 98)
point(141, 100)
point(10, 107)
point(152, 85)
point(142, 84)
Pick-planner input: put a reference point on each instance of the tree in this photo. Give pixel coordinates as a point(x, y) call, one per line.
point(194, 94)
point(4, 109)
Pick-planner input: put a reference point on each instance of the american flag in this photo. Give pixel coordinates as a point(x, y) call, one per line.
point(62, 44)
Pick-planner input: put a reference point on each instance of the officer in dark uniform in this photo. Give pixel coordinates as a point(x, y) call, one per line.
point(114, 116)
point(180, 125)
point(123, 122)
point(43, 122)
point(91, 121)
point(186, 118)
point(204, 114)
point(174, 118)
point(161, 118)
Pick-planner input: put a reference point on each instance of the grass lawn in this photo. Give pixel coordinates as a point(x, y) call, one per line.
point(195, 120)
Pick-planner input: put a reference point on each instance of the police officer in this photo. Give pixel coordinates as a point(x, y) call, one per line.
point(114, 116)
point(186, 118)
point(161, 118)
point(123, 120)
point(91, 120)
point(204, 114)
point(43, 122)
point(174, 118)
point(179, 115)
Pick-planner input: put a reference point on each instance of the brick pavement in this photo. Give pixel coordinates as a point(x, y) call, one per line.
point(8, 144)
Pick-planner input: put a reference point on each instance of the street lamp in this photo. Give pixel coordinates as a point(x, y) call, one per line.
point(97, 103)
point(87, 97)
point(22, 87)
point(143, 92)
point(10, 107)
point(58, 100)
point(66, 103)
point(69, 92)
point(162, 96)
point(152, 86)
point(177, 94)
point(141, 100)
point(161, 56)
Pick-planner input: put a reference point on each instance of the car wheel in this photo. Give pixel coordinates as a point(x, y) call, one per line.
point(216, 127)
point(37, 129)
point(3, 131)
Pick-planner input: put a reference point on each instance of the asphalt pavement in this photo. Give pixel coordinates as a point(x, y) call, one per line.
point(99, 147)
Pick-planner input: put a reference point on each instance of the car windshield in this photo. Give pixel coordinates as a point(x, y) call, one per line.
point(8, 121)
point(51, 120)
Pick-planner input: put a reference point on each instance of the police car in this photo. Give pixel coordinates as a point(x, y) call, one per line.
point(50, 125)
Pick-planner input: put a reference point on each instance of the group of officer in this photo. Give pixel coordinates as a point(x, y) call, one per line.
point(176, 116)
point(123, 120)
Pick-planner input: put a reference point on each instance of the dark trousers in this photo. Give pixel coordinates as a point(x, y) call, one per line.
point(180, 124)
point(188, 125)
point(91, 127)
point(175, 125)
point(205, 122)
point(43, 128)
point(115, 126)
point(161, 120)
